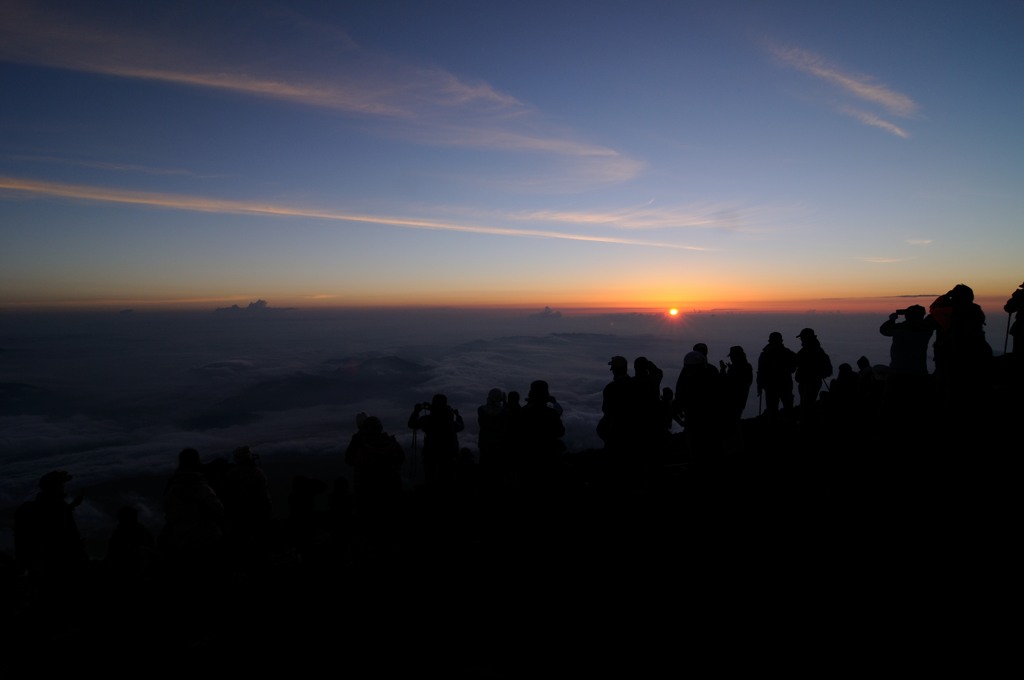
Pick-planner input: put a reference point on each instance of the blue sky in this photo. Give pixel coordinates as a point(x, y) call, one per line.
point(700, 155)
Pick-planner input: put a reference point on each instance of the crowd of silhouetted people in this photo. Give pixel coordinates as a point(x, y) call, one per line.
point(522, 503)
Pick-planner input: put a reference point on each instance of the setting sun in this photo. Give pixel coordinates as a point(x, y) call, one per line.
point(673, 312)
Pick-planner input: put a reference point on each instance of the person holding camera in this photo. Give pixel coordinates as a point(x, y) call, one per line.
point(908, 354)
point(540, 433)
point(908, 382)
point(493, 422)
point(441, 425)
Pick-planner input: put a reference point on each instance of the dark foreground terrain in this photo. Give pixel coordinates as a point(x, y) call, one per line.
point(812, 548)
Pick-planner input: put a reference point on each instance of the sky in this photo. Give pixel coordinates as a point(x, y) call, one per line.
point(641, 155)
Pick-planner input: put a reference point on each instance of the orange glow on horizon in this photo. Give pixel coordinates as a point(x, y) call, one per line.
point(992, 305)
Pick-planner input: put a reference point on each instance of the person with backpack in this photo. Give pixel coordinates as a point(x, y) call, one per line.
point(963, 357)
point(813, 366)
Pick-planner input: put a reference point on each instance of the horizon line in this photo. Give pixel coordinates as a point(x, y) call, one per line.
point(877, 304)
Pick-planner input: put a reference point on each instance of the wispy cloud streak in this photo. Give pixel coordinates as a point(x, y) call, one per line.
point(75, 43)
point(445, 109)
point(857, 85)
point(642, 218)
point(869, 118)
point(221, 206)
point(116, 167)
point(862, 87)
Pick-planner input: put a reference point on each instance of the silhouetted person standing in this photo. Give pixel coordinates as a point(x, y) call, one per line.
point(376, 458)
point(493, 419)
point(131, 550)
point(699, 399)
point(775, 367)
point(813, 366)
point(654, 415)
point(440, 425)
point(737, 377)
point(869, 386)
point(540, 434)
point(192, 540)
point(307, 526)
point(962, 354)
point(908, 383)
point(618, 424)
point(648, 378)
point(51, 554)
point(248, 511)
point(844, 397)
point(47, 543)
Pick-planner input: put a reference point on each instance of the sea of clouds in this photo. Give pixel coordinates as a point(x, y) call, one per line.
point(111, 396)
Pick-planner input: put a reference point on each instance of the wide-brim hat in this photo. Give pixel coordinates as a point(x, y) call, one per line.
point(538, 391)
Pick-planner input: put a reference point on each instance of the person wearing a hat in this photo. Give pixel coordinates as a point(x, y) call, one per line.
point(775, 367)
point(813, 366)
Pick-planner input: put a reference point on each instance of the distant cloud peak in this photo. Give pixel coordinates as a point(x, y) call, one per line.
point(548, 313)
point(255, 307)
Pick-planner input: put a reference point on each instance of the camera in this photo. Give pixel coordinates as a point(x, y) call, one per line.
point(425, 406)
point(901, 312)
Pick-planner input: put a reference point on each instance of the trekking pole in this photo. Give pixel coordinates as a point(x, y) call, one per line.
point(759, 395)
point(1006, 338)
